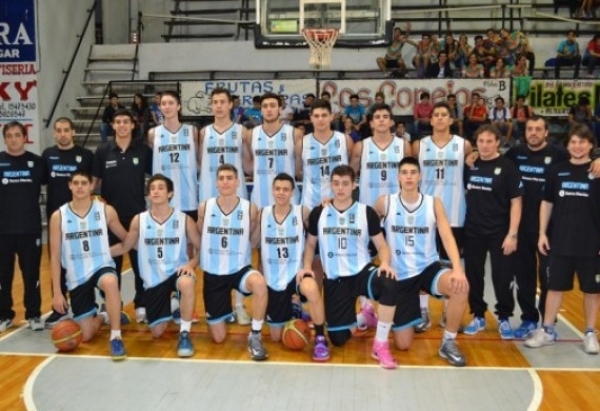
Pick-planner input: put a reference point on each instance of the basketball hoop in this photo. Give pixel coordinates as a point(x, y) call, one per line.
point(321, 43)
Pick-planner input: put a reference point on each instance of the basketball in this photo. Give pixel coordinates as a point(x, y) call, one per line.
point(296, 335)
point(66, 335)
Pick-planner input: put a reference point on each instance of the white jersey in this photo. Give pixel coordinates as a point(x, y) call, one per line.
point(226, 244)
point(220, 148)
point(379, 169)
point(318, 161)
point(84, 249)
point(162, 248)
point(411, 236)
point(442, 175)
point(273, 154)
point(174, 155)
point(282, 245)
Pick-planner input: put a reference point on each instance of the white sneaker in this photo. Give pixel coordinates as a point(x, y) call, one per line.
point(36, 324)
point(241, 316)
point(590, 343)
point(5, 324)
point(140, 315)
point(540, 338)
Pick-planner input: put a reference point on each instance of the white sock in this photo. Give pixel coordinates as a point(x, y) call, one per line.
point(424, 300)
point(448, 335)
point(363, 301)
point(185, 326)
point(361, 320)
point(257, 325)
point(115, 334)
point(383, 331)
point(239, 299)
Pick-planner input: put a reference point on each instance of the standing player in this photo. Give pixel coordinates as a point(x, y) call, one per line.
point(442, 161)
point(412, 221)
point(272, 150)
point(572, 203)
point(282, 244)
point(343, 229)
point(79, 242)
point(22, 174)
point(120, 167)
point(494, 191)
point(161, 235)
point(228, 228)
point(61, 161)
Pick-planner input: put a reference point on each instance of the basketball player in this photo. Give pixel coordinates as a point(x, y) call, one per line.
point(79, 243)
point(228, 228)
point(120, 167)
point(224, 142)
point(412, 221)
point(442, 161)
point(343, 228)
point(282, 244)
point(572, 202)
point(61, 160)
point(161, 235)
point(23, 174)
point(272, 152)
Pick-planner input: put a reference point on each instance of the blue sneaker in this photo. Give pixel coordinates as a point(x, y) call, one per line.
point(525, 329)
point(477, 324)
point(186, 348)
point(117, 350)
point(321, 351)
point(125, 319)
point(505, 330)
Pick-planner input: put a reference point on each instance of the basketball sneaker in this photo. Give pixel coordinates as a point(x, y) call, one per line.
point(425, 321)
point(117, 349)
point(140, 315)
point(185, 348)
point(241, 316)
point(477, 324)
point(590, 343)
point(539, 338)
point(381, 352)
point(525, 329)
point(5, 324)
point(321, 350)
point(125, 319)
point(36, 324)
point(55, 318)
point(505, 330)
point(368, 311)
point(255, 347)
point(449, 350)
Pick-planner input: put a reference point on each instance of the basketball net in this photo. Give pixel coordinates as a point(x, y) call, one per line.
point(321, 43)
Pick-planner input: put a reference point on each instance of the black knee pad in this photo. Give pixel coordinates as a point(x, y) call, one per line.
point(339, 338)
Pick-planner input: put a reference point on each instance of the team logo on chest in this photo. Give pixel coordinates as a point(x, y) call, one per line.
point(176, 224)
point(160, 232)
point(233, 135)
point(30, 164)
point(226, 222)
point(186, 132)
point(454, 147)
point(136, 161)
point(410, 219)
point(283, 137)
point(78, 159)
point(342, 220)
point(497, 171)
point(240, 215)
point(82, 226)
point(295, 221)
point(352, 218)
point(547, 160)
point(97, 216)
point(440, 154)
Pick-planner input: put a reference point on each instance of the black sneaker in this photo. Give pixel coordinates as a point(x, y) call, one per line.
point(55, 318)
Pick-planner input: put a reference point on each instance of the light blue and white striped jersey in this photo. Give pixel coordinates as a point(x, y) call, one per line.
point(225, 238)
point(174, 155)
point(281, 246)
point(442, 175)
point(318, 161)
point(220, 148)
point(162, 248)
point(273, 154)
point(379, 169)
point(344, 240)
point(85, 248)
point(411, 236)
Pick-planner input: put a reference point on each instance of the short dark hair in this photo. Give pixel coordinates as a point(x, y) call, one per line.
point(173, 94)
point(451, 95)
point(582, 131)
point(520, 96)
point(424, 95)
point(256, 99)
point(227, 167)
point(14, 124)
point(411, 161)
point(113, 95)
point(478, 37)
point(222, 90)
point(65, 120)
point(123, 112)
point(160, 177)
point(271, 95)
point(499, 98)
point(537, 117)
point(475, 94)
point(310, 95)
point(380, 94)
point(380, 107)
point(344, 170)
point(354, 96)
point(320, 103)
point(488, 128)
point(285, 177)
point(81, 173)
point(326, 93)
point(441, 104)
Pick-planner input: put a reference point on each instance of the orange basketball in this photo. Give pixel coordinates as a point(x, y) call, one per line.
point(66, 335)
point(296, 335)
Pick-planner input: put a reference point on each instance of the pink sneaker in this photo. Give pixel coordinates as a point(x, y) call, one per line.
point(381, 352)
point(369, 312)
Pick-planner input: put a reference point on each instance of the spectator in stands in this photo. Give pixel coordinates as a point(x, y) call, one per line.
point(422, 115)
point(581, 113)
point(592, 58)
point(440, 69)
point(427, 50)
point(379, 99)
point(464, 51)
point(485, 53)
point(456, 113)
point(500, 70)
point(141, 113)
point(521, 79)
point(253, 115)
point(237, 112)
point(450, 47)
point(568, 55)
point(109, 111)
point(356, 112)
point(510, 45)
point(475, 114)
point(302, 117)
point(520, 113)
point(596, 123)
point(526, 50)
point(401, 131)
point(473, 69)
point(500, 117)
point(157, 116)
point(393, 60)
point(587, 9)
point(350, 130)
point(286, 116)
point(336, 124)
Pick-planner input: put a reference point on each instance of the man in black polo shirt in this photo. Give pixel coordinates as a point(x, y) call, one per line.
point(120, 167)
point(60, 162)
point(21, 177)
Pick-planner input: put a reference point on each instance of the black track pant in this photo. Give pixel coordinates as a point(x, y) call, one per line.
point(530, 266)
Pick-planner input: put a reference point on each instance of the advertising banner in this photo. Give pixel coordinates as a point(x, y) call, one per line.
point(556, 97)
